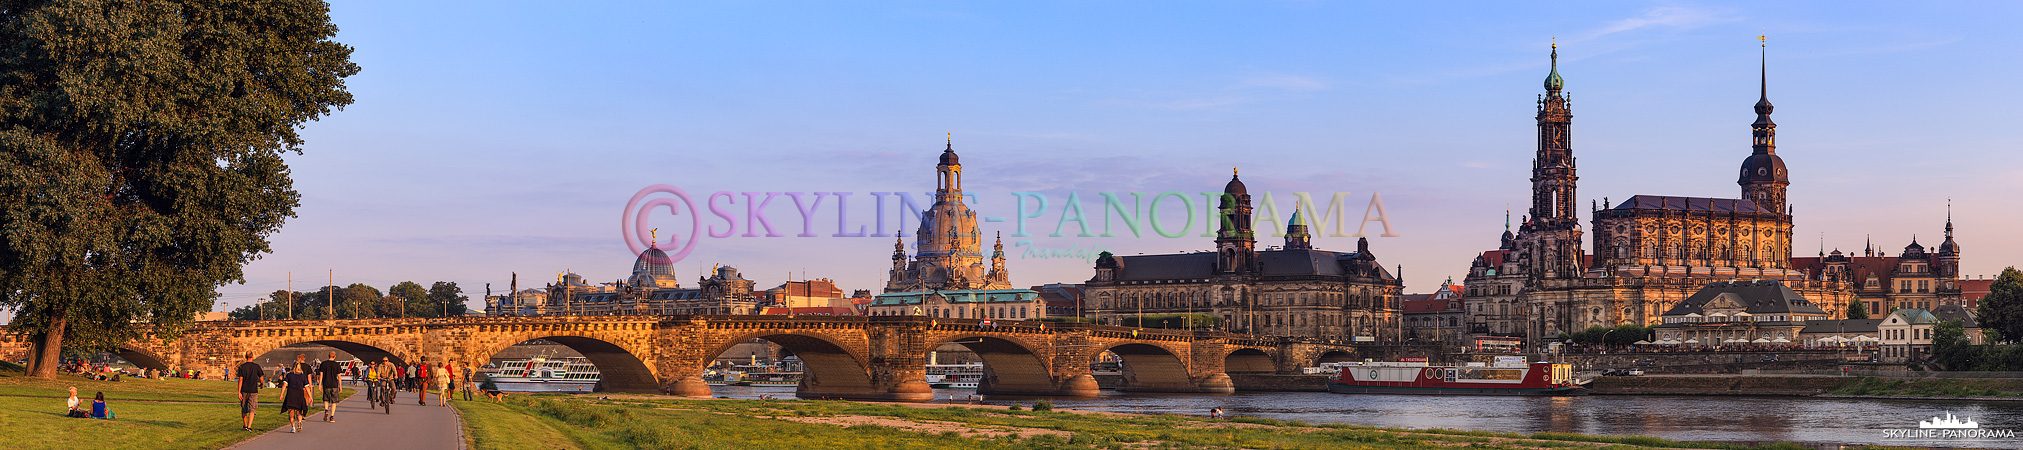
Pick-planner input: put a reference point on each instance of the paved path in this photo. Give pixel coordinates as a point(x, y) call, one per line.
point(411, 426)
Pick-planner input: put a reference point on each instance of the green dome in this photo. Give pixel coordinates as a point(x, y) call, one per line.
point(1552, 81)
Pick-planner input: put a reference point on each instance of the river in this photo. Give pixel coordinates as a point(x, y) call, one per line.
point(1707, 418)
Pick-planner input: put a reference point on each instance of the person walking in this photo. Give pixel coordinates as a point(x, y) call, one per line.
point(295, 397)
point(444, 374)
point(420, 377)
point(328, 372)
point(250, 376)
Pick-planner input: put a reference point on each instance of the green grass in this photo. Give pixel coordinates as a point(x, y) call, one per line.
point(560, 421)
point(31, 410)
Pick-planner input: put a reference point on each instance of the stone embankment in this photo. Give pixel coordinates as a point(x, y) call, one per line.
point(1796, 386)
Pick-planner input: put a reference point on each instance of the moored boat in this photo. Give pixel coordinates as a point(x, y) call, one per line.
point(954, 376)
point(546, 375)
point(1501, 378)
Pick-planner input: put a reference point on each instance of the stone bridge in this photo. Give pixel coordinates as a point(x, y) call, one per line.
point(865, 358)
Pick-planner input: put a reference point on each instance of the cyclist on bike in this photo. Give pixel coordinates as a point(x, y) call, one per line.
point(371, 375)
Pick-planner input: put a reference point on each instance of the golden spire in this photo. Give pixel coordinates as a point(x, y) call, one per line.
point(1555, 42)
point(1232, 171)
point(1762, 40)
point(656, 235)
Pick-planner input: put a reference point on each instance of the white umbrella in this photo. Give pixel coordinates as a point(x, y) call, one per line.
point(1781, 340)
point(1831, 339)
point(1642, 342)
point(1693, 341)
point(1733, 341)
point(1760, 341)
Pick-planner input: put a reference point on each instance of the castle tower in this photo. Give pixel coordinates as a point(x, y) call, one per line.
point(1763, 178)
point(998, 273)
point(1235, 244)
point(1549, 241)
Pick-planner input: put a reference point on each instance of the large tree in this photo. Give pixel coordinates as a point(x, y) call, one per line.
point(141, 150)
point(449, 298)
point(2002, 309)
point(412, 298)
point(1857, 309)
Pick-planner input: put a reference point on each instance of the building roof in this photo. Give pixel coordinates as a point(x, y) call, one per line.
point(957, 296)
point(1282, 262)
point(1966, 317)
point(1424, 304)
point(1841, 326)
point(1757, 297)
point(1689, 204)
point(811, 311)
point(1913, 316)
point(1859, 268)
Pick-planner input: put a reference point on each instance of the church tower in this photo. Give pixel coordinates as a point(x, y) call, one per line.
point(1235, 244)
point(1549, 241)
point(949, 249)
point(1763, 178)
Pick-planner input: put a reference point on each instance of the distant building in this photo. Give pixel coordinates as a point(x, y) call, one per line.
point(1840, 333)
point(819, 292)
point(1439, 316)
point(947, 277)
point(1292, 291)
point(1739, 313)
point(1063, 300)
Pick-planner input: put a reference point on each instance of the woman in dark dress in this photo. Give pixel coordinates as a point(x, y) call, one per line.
point(296, 401)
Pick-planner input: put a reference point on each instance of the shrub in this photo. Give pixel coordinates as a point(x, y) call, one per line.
point(1014, 407)
point(1043, 405)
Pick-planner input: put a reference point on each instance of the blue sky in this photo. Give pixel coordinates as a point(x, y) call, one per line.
point(495, 137)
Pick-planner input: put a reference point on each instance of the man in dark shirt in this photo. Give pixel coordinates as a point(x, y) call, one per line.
point(329, 369)
point(250, 375)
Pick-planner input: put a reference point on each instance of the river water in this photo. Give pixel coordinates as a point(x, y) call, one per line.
point(1695, 418)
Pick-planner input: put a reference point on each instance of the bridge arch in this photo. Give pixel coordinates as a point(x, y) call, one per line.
point(142, 358)
point(832, 369)
point(1248, 360)
point(362, 349)
point(1010, 366)
point(619, 366)
point(1152, 368)
point(1333, 356)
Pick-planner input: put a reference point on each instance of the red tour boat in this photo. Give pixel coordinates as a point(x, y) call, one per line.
point(1506, 377)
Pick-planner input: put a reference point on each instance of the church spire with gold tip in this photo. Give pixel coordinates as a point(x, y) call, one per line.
point(1553, 83)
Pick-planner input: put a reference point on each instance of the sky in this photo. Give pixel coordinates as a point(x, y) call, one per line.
point(492, 138)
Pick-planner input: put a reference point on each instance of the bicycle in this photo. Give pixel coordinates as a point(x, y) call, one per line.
point(383, 391)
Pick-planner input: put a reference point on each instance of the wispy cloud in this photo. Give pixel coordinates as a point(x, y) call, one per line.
point(1283, 81)
point(1673, 17)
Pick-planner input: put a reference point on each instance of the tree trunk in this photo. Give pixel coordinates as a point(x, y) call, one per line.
point(48, 351)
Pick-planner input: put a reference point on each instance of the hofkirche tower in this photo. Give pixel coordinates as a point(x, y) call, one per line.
point(1549, 241)
point(949, 247)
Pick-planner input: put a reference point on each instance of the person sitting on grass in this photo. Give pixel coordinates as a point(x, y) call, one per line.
point(73, 412)
point(98, 409)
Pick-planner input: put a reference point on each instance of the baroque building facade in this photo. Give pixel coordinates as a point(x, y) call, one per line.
point(946, 277)
point(1650, 252)
point(1293, 290)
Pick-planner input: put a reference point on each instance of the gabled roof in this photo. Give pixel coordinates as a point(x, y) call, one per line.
point(1689, 204)
point(1956, 312)
point(1757, 297)
point(1841, 326)
point(1913, 316)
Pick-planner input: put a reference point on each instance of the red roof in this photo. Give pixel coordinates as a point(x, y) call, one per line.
point(811, 311)
point(1859, 268)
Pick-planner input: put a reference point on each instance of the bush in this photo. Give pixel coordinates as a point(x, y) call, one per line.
point(1043, 405)
point(1014, 407)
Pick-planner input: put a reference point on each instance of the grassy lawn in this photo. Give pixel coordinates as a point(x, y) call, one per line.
point(31, 410)
point(553, 421)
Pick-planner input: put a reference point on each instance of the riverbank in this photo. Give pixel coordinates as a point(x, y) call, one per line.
point(1965, 389)
point(171, 414)
point(557, 421)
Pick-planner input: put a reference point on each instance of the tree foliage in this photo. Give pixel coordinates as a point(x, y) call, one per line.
point(1951, 348)
point(2002, 309)
point(449, 298)
point(1626, 334)
point(141, 150)
point(1857, 309)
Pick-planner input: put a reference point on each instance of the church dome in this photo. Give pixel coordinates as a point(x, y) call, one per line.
point(1763, 167)
point(948, 157)
point(653, 262)
point(1235, 187)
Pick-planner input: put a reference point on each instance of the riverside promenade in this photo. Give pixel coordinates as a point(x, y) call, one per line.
point(358, 425)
